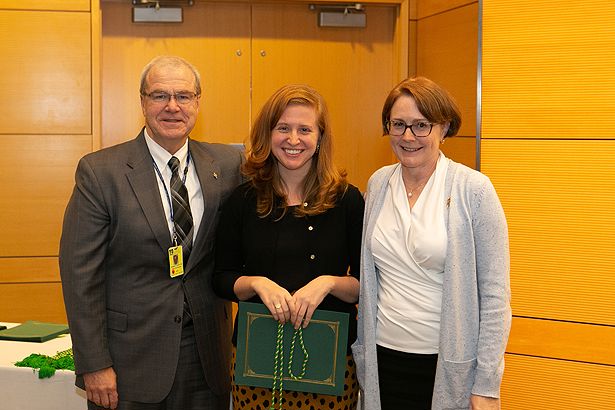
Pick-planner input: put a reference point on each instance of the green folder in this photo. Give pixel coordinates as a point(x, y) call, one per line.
point(32, 331)
point(325, 340)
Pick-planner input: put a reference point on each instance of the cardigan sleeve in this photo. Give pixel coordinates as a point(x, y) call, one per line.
point(493, 276)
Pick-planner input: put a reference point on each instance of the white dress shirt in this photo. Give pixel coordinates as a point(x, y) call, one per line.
point(161, 157)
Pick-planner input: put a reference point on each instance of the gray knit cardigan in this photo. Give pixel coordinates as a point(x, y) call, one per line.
point(476, 314)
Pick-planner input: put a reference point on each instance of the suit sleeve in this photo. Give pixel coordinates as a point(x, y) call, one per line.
point(83, 246)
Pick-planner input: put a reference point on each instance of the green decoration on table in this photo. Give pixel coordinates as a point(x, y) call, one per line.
point(47, 365)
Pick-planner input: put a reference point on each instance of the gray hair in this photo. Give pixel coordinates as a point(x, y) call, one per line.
point(170, 61)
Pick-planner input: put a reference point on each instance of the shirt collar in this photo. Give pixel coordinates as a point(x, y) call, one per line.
point(161, 156)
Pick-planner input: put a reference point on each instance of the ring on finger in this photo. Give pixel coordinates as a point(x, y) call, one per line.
point(277, 306)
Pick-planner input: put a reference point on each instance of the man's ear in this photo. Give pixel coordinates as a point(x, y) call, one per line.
point(143, 105)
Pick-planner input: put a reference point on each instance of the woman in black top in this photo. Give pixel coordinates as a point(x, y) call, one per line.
point(290, 237)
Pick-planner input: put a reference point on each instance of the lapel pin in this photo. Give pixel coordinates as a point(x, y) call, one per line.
point(215, 174)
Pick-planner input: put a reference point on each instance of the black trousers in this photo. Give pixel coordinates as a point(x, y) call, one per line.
point(189, 391)
point(406, 379)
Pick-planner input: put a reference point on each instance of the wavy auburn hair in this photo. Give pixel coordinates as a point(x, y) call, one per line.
point(323, 184)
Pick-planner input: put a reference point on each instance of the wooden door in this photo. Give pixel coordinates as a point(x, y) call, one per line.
point(245, 52)
point(215, 37)
point(353, 68)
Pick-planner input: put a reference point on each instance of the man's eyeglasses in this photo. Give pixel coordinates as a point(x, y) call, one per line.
point(181, 98)
point(397, 128)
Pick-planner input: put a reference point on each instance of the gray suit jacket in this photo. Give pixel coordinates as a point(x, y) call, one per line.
point(123, 308)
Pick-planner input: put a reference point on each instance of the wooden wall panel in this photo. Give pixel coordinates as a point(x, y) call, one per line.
point(548, 141)
point(45, 73)
point(48, 120)
point(412, 45)
point(552, 69)
point(461, 149)
point(447, 52)
point(31, 290)
point(404, 26)
point(29, 270)
point(546, 384)
point(63, 5)
point(213, 37)
point(32, 301)
point(558, 198)
point(95, 38)
point(46, 165)
point(426, 8)
point(580, 342)
point(353, 68)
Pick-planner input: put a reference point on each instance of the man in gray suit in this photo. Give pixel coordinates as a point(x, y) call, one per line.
point(145, 335)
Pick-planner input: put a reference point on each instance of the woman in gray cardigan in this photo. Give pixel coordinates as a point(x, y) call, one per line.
point(434, 305)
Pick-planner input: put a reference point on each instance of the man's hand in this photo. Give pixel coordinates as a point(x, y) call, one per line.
point(484, 403)
point(101, 387)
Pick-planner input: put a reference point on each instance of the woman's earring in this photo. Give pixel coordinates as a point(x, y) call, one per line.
point(317, 148)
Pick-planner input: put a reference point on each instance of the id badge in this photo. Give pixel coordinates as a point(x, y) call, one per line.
point(176, 261)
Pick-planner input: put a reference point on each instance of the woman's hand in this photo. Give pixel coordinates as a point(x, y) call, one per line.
point(484, 403)
point(307, 299)
point(277, 299)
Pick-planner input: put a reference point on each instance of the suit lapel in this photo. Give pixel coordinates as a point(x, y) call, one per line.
point(208, 172)
point(142, 179)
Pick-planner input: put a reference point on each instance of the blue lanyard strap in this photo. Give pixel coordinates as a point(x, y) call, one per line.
point(166, 190)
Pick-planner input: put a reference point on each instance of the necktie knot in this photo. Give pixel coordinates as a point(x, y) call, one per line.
point(174, 165)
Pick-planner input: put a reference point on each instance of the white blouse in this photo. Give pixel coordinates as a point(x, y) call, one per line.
point(409, 249)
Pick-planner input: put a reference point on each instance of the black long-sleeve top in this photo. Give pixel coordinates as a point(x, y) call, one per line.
point(291, 251)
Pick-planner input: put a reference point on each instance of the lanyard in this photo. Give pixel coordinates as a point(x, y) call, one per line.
point(166, 191)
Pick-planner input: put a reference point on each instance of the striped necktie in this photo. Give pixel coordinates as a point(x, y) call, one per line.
point(182, 217)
